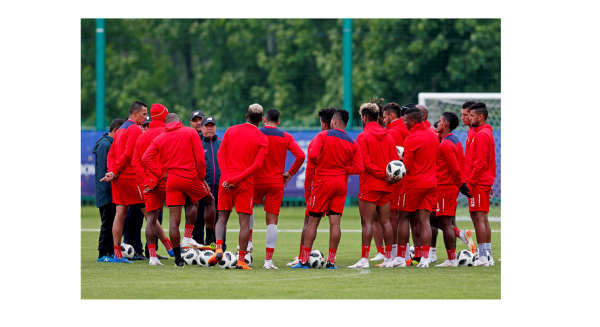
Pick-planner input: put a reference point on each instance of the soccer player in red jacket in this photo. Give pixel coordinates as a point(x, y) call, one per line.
point(465, 113)
point(270, 179)
point(154, 186)
point(418, 192)
point(336, 156)
point(180, 151)
point(126, 188)
point(242, 152)
point(481, 165)
point(377, 149)
point(325, 115)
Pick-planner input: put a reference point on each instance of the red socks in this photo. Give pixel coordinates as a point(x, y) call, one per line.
point(300, 253)
point(269, 254)
point(365, 251)
point(456, 232)
point(242, 256)
point(305, 254)
point(425, 251)
point(331, 256)
point(250, 240)
point(189, 229)
point(167, 243)
point(152, 250)
point(402, 252)
point(451, 254)
point(388, 251)
point(118, 253)
point(219, 244)
point(380, 250)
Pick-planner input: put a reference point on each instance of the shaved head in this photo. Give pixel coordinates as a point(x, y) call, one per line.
point(171, 118)
point(424, 111)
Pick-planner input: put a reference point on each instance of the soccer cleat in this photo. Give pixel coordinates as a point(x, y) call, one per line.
point(218, 256)
point(250, 248)
point(398, 262)
point(105, 258)
point(424, 263)
point(432, 258)
point(480, 262)
point(379, 256)
point(269, 265)
point(211, 246)
point(122, 260)
point(387, 263)
point(293, 263)
point(448, 263)
point(179, 263)
point(160, 257)
point(301, 265)
point(242, 265)
point(409, 262)
point(491, 261)
point(330, 265)
point(171, 253)
point(139, 256)
point(154, 262)
point(189, 243)
point(470, 243)
point(362, 263)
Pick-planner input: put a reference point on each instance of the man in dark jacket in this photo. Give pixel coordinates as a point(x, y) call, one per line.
point(104, 193)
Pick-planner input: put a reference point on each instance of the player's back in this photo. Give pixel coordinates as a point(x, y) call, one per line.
point(450, 145)
point(424, 143)
point(335, 154)
point(379, 147)
point(398, 131)
point(128, 133)
point(176, 152)
point(243, 142)
point(274, 165)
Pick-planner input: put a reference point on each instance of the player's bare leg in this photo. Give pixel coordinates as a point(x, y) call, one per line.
point(117, 231)
point(304, 228)
point(403, 237)
point(244, 238)
point(489, 239)
point(220, 230)
point(158, 230)
point(415, 230)
point(335, 234)
point(271, 240)
point(435, 225)
point(383, 212)
point(378, 237)
point(367, 212)
point(394, 223)
point(423, 216)
point(191, 211)
point(151, 223)
point(309, 239)
point(174, 221)
point(449, 241)
point(478, 218)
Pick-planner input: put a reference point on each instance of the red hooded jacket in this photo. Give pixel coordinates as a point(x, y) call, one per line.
point(377, 149)
point(242, 152)
point(481, 163)
point(121, 151)
point(450, 160)
point(180, 151)
point(334, 153)
point(274, 165)
point(143, 142)
point(398, 131)
point(420, 156)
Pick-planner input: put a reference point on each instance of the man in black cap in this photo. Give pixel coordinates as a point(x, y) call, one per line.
point(196, 120)
point(146, 124)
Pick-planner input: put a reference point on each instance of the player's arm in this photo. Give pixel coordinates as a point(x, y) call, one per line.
point(369, 167)
point(315, 151)
point(133, 134)
point(448, 153)
point(198, 151)
point(409, 155)
point(480, 154)
point(222, 157)
point(296, 150)
point(261, 154)
point(149, 180)
point(148, 159)
point(356, 166)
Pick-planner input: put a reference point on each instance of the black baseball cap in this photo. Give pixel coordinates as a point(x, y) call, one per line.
point(406, 107)
point(208, 120)
point(196, 113)
point(147, 121)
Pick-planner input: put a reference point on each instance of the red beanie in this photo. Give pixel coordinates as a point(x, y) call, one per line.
point(158, 112)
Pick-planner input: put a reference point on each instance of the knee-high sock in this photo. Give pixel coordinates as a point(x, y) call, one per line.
point(271, 240)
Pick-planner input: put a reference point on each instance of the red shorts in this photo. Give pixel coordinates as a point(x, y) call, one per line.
point(127, 191)
point(328, 194)
point(178, 188)
point(240, 197)
point(155, 199)
point(396, 190)
point(380, 198)
point(414, 199)
point(481, 198)
point(445, 198)
point(272, 196)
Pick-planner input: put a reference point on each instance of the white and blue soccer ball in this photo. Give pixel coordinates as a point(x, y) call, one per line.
point(316, 259)
point(190, 256)
point(248, 259)
point(127, 251)
point(395, 169)
point(229, 260)
point(204, 257)
point(412, 252)
point(400, 152)
point(465, 258)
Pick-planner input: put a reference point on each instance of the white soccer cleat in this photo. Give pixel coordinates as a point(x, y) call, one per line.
point(189, 243)
point(250, 248)
point(448, 263)
point(470, 244)
point(269, 265)
point(362, 263)
point(432, 258)
point(154, 262)
point(293, 263)
point(387, 263)
point(398, 262)
point(379, 256)
point(481, 262)
point(424, 263)
point(491, 261)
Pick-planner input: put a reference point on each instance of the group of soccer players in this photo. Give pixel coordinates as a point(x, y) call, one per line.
point(166, 164)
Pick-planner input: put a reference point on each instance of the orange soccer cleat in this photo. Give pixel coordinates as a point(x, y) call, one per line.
point(242, 265)
point(218, 256)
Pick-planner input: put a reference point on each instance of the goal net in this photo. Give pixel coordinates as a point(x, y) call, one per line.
point(438, 103)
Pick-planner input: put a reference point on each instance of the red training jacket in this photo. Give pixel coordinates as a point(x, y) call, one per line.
point(450, 160)
point(180, 151)
point(121, 151)
point(143, 142)
point(420, 155)
point(377, 148)
point(482, 161)
point(470, 136)
point(398, 131)
point(309, 173)
point(274, 165)
point(242, 152)
point(334, 153)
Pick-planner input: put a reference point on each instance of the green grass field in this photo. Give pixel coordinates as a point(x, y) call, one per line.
point(141, 281)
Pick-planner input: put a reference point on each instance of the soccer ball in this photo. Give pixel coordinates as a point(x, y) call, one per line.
point(316, 259)
point(400, 152)
point(465, 258)
point(412, 252)
point(191, 256)
point(204, 256)
point(127, 251)
point(395, 168)
point(229, 260)
point(247, 259)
